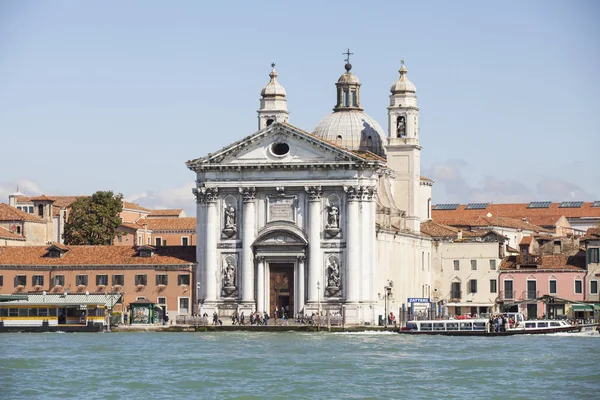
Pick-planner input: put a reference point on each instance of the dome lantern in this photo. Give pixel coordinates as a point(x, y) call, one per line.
point(273, 102)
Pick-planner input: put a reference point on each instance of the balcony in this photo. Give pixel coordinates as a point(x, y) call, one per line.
point(507, 295)
point(530, 295)
point(528, 259)
point(455, 296)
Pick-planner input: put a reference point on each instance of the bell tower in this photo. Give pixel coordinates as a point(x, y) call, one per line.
point(273, 102)
point(403, 149)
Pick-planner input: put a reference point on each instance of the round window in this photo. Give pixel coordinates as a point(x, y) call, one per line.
point(280, 149)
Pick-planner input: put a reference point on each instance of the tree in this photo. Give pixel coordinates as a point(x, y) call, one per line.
point(94, 220)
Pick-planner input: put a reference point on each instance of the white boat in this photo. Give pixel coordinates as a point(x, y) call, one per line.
point(482, 327)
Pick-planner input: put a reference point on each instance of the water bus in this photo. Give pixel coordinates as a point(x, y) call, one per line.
point(482, 327)
point(55, 312)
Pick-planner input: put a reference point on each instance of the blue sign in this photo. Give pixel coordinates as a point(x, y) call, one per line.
point(418, 300)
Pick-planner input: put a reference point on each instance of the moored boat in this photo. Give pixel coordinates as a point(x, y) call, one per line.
point(483, 327)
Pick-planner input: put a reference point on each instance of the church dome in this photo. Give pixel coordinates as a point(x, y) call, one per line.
point(273, 88)
point(403, 85)
point(353, 130)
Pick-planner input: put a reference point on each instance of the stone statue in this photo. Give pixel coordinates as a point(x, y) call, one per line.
point(333, 217)
point(230, 217)
point(333, 274)
point(400, 127)
point(229, 275)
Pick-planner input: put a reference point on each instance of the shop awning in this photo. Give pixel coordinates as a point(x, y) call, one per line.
point(582, 307)
point(597, 306)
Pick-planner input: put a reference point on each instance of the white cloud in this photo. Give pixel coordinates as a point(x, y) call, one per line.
point(178, 197)
point(25, 186)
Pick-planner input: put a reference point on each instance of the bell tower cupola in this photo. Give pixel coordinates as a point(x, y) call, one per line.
point(403, 150)
point(348, 89)
point(273, 102)
point(403, 111)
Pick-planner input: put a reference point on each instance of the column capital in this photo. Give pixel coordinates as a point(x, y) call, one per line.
point(260, 259)
point(353, 193)
point(369, 193)
point(248, 193)
point(206, 195)
point(301, 258)
point(314, 192)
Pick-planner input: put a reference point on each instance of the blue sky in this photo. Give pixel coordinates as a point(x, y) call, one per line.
point(118, 95)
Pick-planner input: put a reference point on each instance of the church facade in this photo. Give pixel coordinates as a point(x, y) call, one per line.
point(326, 221)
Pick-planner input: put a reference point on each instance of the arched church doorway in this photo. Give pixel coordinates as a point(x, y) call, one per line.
point(281, 289)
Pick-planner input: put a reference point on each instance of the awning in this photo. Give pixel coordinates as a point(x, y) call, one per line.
point(597, 306)
point(582, 307)
point(470, 304)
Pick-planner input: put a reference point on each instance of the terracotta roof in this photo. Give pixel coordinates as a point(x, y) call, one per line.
point(424, 178)
point(574, 261)
point(6, 234)
point(59, 202)
point(97, 255)
point(518, 211)
point(60, 246)
point(131, 225)
point(169, 224)
point(134, 206)
point(526, 240)
point(42, 198)
point(481, 221)
point(591, 234)
point(166, 213)
point(8, 213)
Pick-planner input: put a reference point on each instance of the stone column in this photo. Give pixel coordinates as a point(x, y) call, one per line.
point(314, 241)
point(368, 243)
point(209, 197)
point(353, 194)
point(301, 284)
point(249, 196)
point(260, 284)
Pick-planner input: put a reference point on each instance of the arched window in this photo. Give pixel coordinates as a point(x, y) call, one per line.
point(401, 126)
point(270, 121)
point(338, 140)
point(369, 142)
point(41, 210)
point(429, 208)
point(353, 98)
point(346, 99)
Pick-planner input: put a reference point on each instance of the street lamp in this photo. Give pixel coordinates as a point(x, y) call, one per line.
point(387, 294)
point(318, 306)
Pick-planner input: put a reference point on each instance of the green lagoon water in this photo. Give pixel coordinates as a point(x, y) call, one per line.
point(294, 365)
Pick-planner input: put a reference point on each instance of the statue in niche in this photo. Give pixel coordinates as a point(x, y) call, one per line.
point(229, 275)
point(333, 221)
point(401, 127)
point(333, 273)
point(230, 224)
point(333, 277)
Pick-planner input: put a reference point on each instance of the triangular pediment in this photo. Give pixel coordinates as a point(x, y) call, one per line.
point(281, 144)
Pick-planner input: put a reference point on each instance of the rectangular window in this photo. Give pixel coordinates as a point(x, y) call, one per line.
point(139, 240)
point(161, 280)
point(118, 280)
point(456, 265)
point(141, 280)
point(473, 286)
point(162, 301)
point(552, 287)
point(184, 241)
point(165, 242)
point(58, 280)
point(81, 280)
point(578, 286)
point(37, 280)
point(593, 256)
point(183, 280)
point(455, 290)
point(158, 242)
point(493, 286)
point(492, 265)
point(508, 290)
point(20, 280)
point(184, 305)
point(120, 239)
point(532, 290)
point(593, 287)
point(30, 210)
point(474, 265)
point(101, 280)
point(1, 280)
